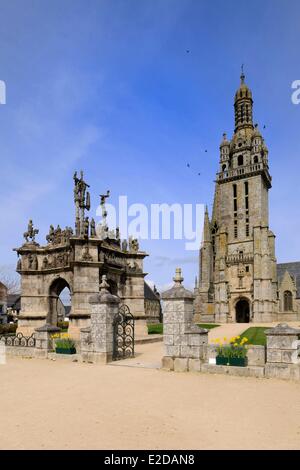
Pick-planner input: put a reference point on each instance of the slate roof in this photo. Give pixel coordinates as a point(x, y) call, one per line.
point(14, 301)
point(294, 269)
point(149, 293)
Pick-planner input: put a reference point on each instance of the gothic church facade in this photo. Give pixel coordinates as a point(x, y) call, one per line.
point(238, 278)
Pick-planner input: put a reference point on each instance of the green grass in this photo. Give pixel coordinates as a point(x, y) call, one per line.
point(255, 335)
point(157, 329)
point(208, 326)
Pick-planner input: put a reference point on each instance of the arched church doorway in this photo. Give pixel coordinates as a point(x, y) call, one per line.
point(242, 311)
point(59, 301)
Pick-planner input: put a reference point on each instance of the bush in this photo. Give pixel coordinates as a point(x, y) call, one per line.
point(8, 328)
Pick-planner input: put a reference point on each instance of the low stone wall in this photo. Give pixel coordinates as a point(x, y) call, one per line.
point(249, 371)
point(186, 346)
point(19, 351)
point(282, 371)
point(256, 354)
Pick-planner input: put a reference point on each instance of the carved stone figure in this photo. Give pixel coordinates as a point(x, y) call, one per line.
point(58, 236)
point(67, 234)
point(60, 259)
point(50, 236)
point(131, 265)
point(86, 254)
point(124, 245)
point(93, 228)
point(133, 245)
point(82, 202)
point(86, 227)
point(32, 261)
point(80, 194)
point(31, 233)
point(103, 198)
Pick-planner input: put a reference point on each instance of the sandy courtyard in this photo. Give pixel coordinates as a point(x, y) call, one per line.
point(132, 405)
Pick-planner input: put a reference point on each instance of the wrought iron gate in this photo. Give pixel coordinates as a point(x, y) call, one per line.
point(18, 340)
point(123, 332)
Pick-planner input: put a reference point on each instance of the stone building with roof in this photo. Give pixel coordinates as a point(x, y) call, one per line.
point(152, 304)
point(239, 278)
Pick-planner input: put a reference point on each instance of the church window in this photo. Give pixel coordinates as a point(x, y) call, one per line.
point(240, 160)
point(235, 229)
point(255, 160)
point(247, 228)
point(288, 301)
point(247, 269)
point(223, 167)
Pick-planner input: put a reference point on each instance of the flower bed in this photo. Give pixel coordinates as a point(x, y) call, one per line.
point(233, 353)
point(64, 344)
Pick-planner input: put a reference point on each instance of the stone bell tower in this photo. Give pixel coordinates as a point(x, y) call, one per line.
point(238, 280)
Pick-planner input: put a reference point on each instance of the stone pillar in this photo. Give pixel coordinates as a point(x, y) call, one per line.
point(283, 349)
point(185, 343)
point(97, 340)
point(43, 339)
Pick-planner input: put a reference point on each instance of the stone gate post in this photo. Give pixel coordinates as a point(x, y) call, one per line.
point(283, 349)
point(185, 343)
point(97, 340)
point(43, 339)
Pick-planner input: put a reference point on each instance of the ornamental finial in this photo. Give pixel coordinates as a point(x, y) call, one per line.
point(178, 279)
point(242, 74)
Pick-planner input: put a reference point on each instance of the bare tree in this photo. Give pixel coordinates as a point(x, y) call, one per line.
point(11, 281)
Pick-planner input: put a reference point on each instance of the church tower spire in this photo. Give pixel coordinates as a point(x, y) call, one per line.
point(243, 106)
point(206, 228)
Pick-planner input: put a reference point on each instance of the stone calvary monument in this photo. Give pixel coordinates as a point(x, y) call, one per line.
point(77, 261)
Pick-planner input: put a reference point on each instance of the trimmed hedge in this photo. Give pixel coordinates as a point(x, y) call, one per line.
point(7, 328)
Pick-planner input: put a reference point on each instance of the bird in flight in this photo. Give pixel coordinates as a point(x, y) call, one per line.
point(188, 165)
point(187, 51)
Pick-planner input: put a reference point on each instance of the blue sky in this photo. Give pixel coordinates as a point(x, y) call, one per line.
point(108, 87)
